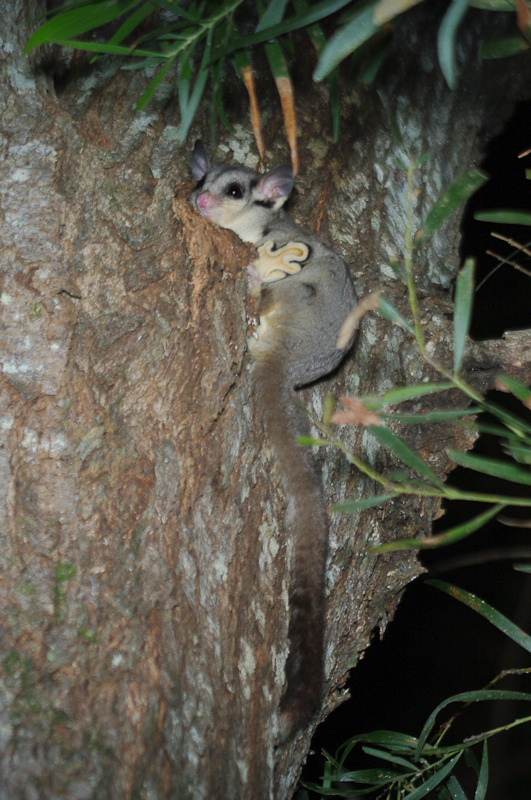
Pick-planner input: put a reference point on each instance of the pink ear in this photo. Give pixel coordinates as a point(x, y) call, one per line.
point(276, 183)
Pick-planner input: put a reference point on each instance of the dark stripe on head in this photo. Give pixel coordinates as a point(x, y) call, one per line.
point(264, 203)
point(200, 184)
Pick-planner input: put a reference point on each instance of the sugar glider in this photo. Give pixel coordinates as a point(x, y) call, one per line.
point(305, 293)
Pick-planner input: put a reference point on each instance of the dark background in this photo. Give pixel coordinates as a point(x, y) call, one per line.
point(435, 646)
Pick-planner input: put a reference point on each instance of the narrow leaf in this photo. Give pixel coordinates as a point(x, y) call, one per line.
point(450, 200)
point(522, 392)
point(454, 787)
point(483, 779)
point(446, 39)
point(345, 41)
point(150, 91)
point(404, 453)
point(464, 294)
point(493, 5)
point(370, 66)
point(132, 22)
point(272, 15)
point(444, 415)
point(243, 66)
point(189, 106)
point(506, 216)
point(389, 312)
point(385, 756)
point(318, 40)
point(434, 780)
point(351, 506)
point(492, 466)
point(494, 617)
point(515, 423)
point(502, 48)
point(314, 14)
point(480, 695)
point(398, 742)
point(441, 539)
point(77, 21)
point(403, 393)
point(387, 10)
point(309, 441)
point(111, 49)
point(284, 85)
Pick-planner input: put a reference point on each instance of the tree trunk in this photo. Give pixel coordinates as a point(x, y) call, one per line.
point(144, 562)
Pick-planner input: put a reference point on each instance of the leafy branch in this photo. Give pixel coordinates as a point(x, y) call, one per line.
point(412, 767)
point(194, 39)
point(371, 412)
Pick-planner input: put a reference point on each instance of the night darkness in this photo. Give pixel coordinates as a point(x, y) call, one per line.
point(436, 647)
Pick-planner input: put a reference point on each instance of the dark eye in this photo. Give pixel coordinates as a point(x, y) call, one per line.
point(234, 190)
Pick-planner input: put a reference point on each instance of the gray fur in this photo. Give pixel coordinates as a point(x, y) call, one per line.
point(301, 315)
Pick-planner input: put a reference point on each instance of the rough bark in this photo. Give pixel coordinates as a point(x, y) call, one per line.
point(144, 565)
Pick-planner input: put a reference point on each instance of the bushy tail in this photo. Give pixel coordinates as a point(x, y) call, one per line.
point(306, 526)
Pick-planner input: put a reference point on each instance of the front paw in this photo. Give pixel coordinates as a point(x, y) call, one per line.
point(254, 281)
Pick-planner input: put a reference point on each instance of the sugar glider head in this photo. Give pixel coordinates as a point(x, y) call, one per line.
point(234, 198)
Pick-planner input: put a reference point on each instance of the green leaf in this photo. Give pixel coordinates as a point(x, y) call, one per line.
point(434, 780)
point(329, 405)
point(446, 39)
point(398, 268)
point(506, 216)
point(444, 415)
point(385, 756)
point(319, 41)
point(350, 506)
point(494, 617)
point(493, 5)
point(522, 392)
point(403, 393)
point(345, 41)
point(483, 779)
point(371, 65)
point(277, 60)
point(132, 22)
point(393, 740)
point(450, 200)
point(519, 452)
point(189, 103)
point(375, 777)
point(501, 48)
point(77, 21)
point(150, 91)
point(309, 441)
point(272, 15)
point(404, 453)
point(111, 49)
point(464, 697)
point(441, 539)
point(492, 466)
point(464, 295)
point(454, 787)
point(515, 423)
point(314, 14)
point(389, 312)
